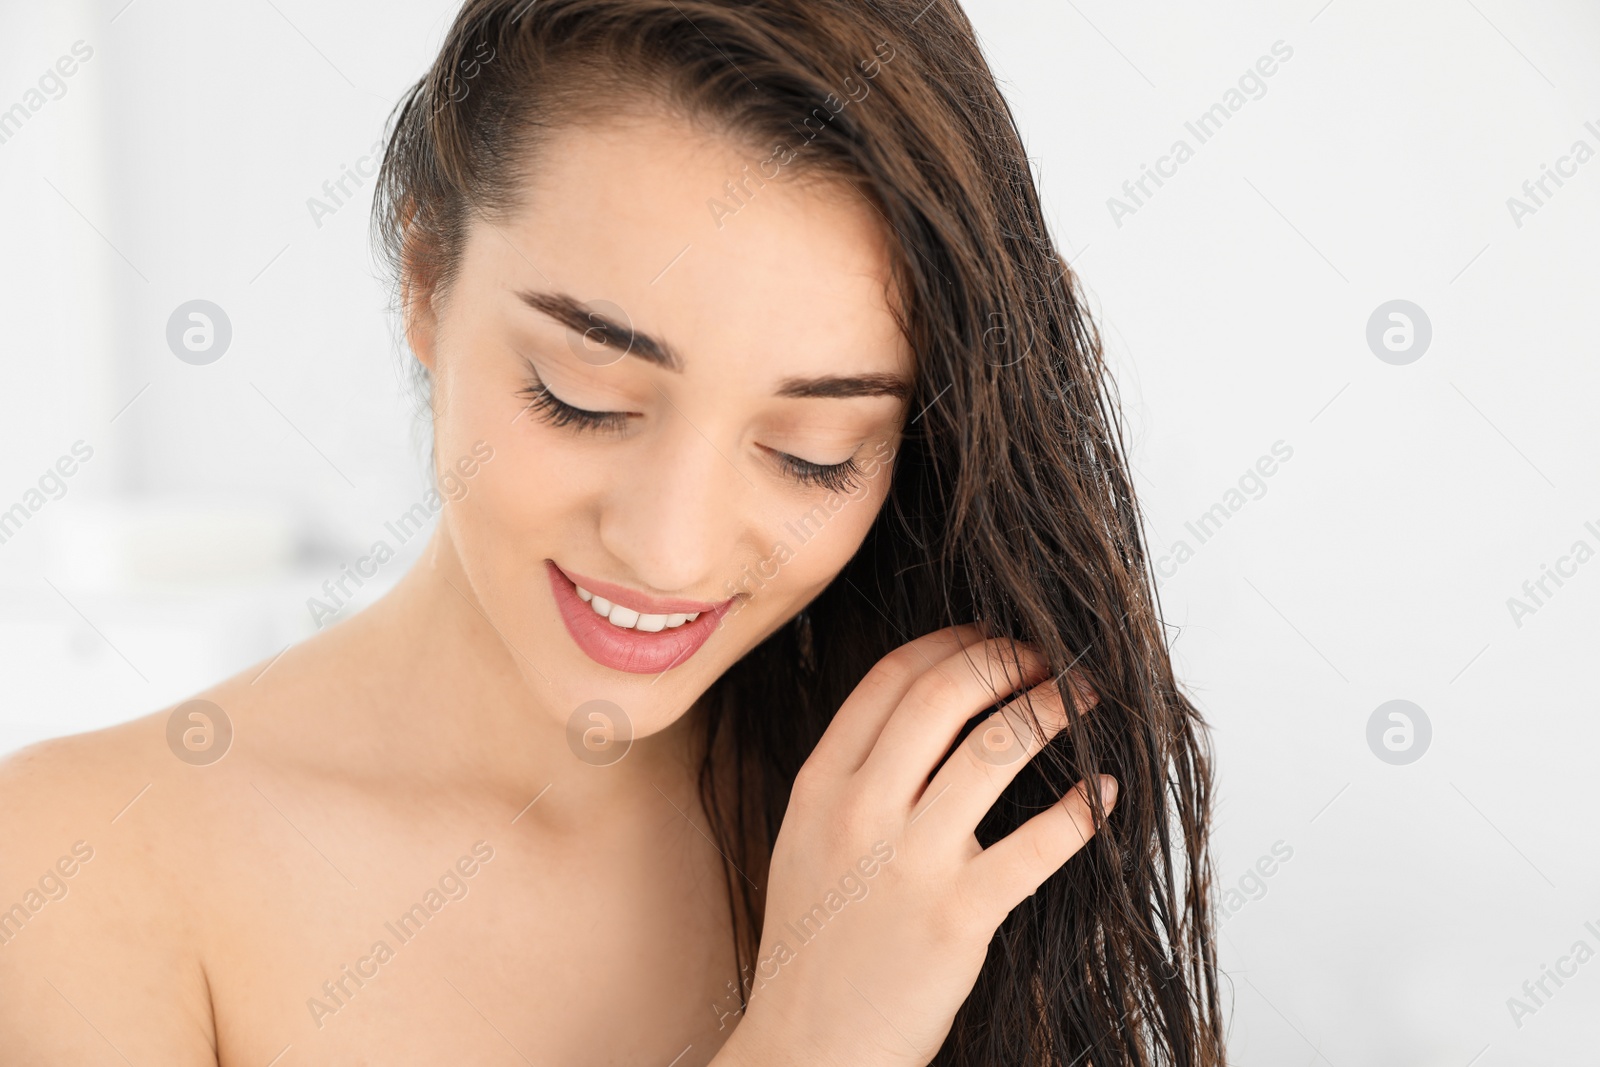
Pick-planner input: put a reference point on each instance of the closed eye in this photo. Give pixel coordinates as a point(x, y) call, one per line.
point(557, 412)
point(835, 477)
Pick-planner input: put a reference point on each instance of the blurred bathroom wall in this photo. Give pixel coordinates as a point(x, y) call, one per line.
point(161, 154)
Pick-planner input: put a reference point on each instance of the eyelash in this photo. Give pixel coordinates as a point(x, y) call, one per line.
point(557, 412)
point(834, 477)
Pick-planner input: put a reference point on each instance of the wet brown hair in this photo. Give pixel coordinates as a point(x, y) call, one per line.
point(1011, 501)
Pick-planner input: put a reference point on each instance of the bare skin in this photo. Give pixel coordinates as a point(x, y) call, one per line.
point(219, 902)
point(417, 755)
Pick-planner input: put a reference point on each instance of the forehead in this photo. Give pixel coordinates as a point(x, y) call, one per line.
point(683, 232)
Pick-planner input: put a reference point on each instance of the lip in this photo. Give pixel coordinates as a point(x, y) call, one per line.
point(633, 651)
point(644, 605)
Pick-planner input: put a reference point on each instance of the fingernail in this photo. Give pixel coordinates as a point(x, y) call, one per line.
point(1108, 791)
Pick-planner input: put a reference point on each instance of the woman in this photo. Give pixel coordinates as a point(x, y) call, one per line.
point(782, 682)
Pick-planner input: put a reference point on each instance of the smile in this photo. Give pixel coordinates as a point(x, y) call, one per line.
point(628, 631)
point(628, 619)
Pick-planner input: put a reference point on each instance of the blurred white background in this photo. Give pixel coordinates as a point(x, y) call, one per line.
point(1376, 563)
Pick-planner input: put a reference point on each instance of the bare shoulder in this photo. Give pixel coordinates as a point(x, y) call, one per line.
point(128, 854)
point(93, 954)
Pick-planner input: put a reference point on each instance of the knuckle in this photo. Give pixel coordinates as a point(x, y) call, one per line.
point(807, 782)
point(1040, 860)
point(893, 672)
point(938, 687)
point(854, 816)
point(1029, 866)
point(1010, 650)
point(1006, 664)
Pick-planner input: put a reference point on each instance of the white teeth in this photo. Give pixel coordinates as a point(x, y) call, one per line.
point(628, 619)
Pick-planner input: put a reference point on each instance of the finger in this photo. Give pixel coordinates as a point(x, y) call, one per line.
point(855, 727)
point(997, 749)
point(937, 705)
point(1010, 870)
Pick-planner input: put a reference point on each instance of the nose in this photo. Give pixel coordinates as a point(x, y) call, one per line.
point(673, 519)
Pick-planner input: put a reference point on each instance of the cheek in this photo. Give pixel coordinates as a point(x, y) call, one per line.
point(470, 405)
point(539, 477)
point(530, 489)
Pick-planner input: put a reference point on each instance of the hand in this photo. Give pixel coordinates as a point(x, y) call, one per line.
point(881, 904)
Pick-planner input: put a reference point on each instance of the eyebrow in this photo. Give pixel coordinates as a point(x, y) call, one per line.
point(571, 313)
point(575, 316)
point(834, 385)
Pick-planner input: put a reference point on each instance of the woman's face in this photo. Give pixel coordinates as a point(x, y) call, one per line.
point(732, 337)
